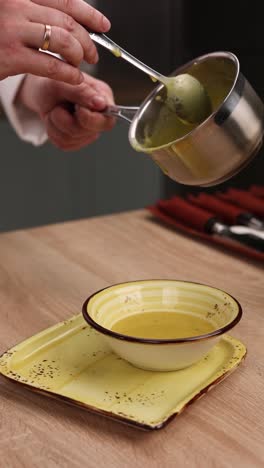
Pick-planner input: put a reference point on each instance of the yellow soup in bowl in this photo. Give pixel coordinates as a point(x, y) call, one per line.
point(161, 325)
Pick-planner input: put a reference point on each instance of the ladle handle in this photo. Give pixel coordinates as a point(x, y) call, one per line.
point(110, 45)
point(121, 112)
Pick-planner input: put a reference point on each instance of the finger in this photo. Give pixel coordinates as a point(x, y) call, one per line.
point(53, 17)
point(67, 143)
point(83, 95)
point(82, 12)
point(65, 123)
point(101, 88)
point(76, 146)
point(97, 103)
point(61, 42)
point(45, 65)
point(58, 138)
point(93, 121)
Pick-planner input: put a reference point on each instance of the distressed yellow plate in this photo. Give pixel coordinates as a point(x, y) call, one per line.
point(70, 362)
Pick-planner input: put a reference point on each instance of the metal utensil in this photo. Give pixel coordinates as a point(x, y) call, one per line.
point(205, 221)
point(241, 234)
point(220, 147)
point(185, 94)
point(122, 112)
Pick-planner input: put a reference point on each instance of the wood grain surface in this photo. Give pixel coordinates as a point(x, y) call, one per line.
point(46, 274)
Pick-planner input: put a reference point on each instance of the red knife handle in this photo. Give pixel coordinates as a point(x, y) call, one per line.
point(257, 191)
point(191, 215)
point(228, 212)
point(245, 199)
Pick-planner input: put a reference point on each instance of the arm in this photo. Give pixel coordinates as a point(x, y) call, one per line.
point(25, 122)
point(51, 104)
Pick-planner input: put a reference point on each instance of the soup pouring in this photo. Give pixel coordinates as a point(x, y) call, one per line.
point(214, 145)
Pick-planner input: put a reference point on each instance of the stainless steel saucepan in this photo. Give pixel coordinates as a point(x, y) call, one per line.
point(219, 147)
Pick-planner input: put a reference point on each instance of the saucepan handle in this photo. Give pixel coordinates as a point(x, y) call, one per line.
point(122, 112)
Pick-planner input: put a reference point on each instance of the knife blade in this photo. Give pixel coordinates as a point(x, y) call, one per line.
point(235, 233)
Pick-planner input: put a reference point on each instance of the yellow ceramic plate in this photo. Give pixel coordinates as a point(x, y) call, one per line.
point(70, 362)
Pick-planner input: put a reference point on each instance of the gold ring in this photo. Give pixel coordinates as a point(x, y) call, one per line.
point(46, 38)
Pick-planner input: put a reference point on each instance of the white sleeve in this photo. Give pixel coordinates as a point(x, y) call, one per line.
point(26, 123)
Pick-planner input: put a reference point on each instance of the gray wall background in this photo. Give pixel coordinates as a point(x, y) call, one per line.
point(44, 185)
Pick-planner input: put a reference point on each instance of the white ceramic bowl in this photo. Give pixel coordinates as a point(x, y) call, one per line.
point(104, 308)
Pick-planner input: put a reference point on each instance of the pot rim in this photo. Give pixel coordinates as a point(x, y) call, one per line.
point(132, 130)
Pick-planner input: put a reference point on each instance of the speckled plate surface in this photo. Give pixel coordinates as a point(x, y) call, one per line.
point(70, 362)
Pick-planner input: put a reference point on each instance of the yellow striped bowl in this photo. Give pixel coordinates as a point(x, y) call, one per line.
point(104, 308)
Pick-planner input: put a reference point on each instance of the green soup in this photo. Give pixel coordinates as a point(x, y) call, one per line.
point(163, 325)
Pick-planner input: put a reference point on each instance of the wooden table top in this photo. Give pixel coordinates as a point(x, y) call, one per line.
point(45, 275)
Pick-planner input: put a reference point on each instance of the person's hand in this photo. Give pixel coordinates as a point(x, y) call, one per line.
point(71, 113)
point(22, 28)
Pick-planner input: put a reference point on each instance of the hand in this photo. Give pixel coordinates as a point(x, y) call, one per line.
point(51, 100)
point(22, 27)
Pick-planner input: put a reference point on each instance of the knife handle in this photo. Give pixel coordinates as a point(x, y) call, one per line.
point(191, 215)
point(227, 211)
point(245, 200)
point(257, 191)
